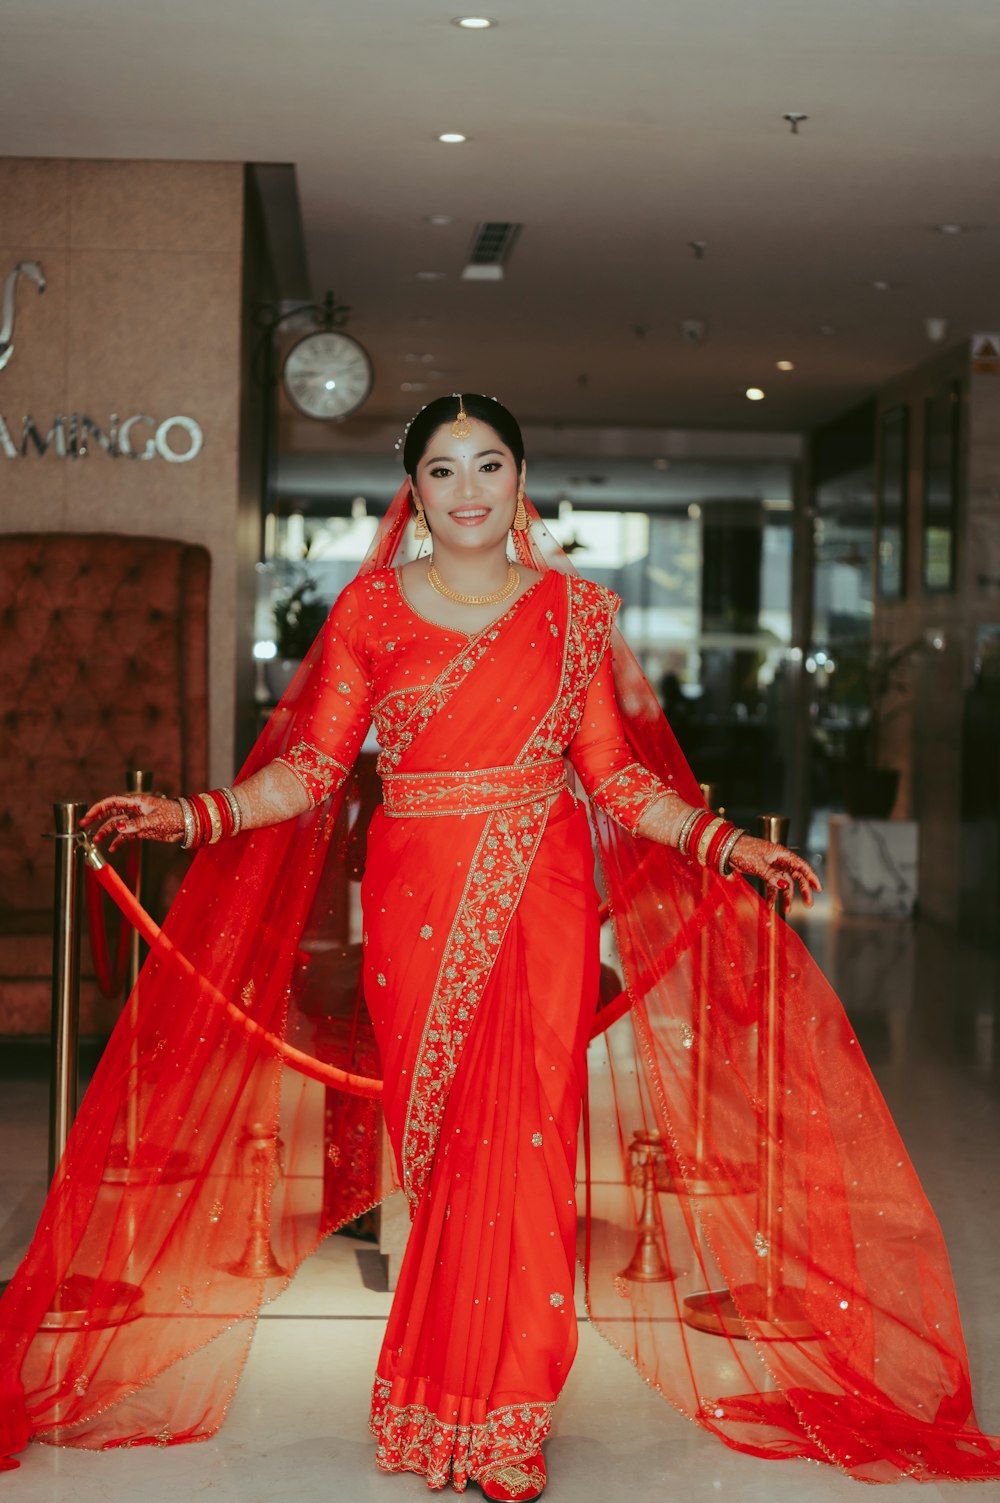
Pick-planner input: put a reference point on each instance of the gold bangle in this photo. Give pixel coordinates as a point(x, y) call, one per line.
point(727, 850)
point(707, 835)
point(190, 828)
point(686, 828)
point(214, 819)
point(234, 809)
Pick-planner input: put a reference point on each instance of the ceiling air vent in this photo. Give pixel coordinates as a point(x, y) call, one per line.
point(492, 244)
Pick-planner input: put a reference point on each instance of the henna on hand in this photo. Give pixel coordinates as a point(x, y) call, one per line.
point(779, 868)
point(135, 816)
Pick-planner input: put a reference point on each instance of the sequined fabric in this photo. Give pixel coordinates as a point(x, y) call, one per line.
point(480, 974)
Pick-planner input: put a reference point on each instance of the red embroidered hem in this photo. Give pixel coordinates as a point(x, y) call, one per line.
point(457, 1446)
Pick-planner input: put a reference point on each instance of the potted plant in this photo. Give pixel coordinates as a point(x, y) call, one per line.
point(870, 679)
point(299, 613)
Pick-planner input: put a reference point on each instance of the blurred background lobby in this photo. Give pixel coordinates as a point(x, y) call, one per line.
point(733, 267)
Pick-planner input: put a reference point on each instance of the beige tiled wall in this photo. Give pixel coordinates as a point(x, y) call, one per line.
point(142, 314)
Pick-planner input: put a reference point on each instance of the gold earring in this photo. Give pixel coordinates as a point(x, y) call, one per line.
point(521, 523)
point(421, 530)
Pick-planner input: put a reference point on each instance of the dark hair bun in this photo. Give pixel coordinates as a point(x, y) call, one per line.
point(445, 410)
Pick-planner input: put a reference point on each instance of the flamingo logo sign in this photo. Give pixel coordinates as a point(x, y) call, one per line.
point(71, 435)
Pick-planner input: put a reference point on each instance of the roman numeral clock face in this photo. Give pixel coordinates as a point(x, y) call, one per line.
point(327, 375)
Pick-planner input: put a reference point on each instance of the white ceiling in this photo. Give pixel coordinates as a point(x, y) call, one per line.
point(616, 132)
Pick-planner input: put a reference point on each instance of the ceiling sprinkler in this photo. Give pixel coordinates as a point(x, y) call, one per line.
point(794, 119)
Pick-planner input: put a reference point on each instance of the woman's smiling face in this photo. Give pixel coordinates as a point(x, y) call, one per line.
point(468, 487)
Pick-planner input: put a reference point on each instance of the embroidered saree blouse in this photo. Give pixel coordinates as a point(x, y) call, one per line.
point(382, 662)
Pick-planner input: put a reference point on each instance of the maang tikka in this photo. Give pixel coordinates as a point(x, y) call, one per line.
point(461, 427)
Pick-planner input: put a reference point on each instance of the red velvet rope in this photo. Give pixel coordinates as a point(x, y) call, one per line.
point(109, 978)
point(330, 1075)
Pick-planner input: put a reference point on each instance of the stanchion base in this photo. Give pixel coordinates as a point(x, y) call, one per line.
point(162, 1166)
point(83, 1303)
point(258, 1262)
point(717, 1179)
point(715, 1312)
point(644, 1271)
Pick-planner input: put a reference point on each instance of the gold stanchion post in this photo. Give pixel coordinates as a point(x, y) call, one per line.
point(649, 1172)
point(258, 1260)
point(136, 782)
point(776, 1313)
point(706, 1178)
point(65, 981)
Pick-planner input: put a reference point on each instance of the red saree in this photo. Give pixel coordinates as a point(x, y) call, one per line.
point(169, 1222)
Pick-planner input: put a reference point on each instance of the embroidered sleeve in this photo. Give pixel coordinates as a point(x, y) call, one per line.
point(319, 774)
point(627, 794)
point(327, 735)
point(619, 785)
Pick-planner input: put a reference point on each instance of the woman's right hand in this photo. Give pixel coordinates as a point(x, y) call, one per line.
point(135, 816)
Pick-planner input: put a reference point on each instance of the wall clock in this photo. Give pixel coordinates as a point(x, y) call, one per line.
point(327, 375)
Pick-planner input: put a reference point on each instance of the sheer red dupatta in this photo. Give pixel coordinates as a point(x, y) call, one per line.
point(869, 1371)
point(159, 1287)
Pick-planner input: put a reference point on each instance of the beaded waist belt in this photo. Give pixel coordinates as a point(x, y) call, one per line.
point(416, 794)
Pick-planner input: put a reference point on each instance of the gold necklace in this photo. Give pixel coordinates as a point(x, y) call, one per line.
point(507, 589)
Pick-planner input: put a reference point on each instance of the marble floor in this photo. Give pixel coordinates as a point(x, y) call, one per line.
point(926, 1010)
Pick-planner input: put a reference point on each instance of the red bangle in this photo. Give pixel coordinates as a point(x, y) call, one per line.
point(716, 843)
point(694, 838)
point(204, 822)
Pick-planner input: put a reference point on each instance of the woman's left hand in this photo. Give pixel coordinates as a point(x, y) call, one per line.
point(779, 868)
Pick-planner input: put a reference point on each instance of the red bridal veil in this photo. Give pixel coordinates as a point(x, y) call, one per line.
point(753, 1234)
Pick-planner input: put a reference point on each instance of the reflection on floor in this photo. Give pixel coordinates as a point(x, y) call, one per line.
point(925, 1009)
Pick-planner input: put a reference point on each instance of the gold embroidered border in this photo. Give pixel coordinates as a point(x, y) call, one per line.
point(496, 877)
point(319, 774)
point(590, 616)
point(412, 1438)
point(478, 791)
point(434, 699)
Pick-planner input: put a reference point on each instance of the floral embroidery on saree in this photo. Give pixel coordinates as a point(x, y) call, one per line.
point(627, 794)
point(590, 615)
point(497, 873)
point(319, 774)
point(418, 795)
point(412, 1438)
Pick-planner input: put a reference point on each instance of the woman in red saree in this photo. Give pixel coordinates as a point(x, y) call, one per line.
point(481, 980)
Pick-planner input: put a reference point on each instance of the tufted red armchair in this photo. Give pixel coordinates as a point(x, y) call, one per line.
point(103, 667)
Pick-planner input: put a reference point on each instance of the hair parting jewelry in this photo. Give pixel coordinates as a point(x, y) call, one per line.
point(507, 589)
point(461, 427)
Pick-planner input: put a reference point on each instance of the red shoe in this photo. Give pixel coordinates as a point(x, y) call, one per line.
point(515, 1481)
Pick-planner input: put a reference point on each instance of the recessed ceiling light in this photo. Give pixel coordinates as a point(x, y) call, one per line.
point(882, 286)
point(439, 220)
point(474, 23)
point(431, 276)
point(452, 138)
point(754, 394)
point(786, 365)
point(950, 229)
